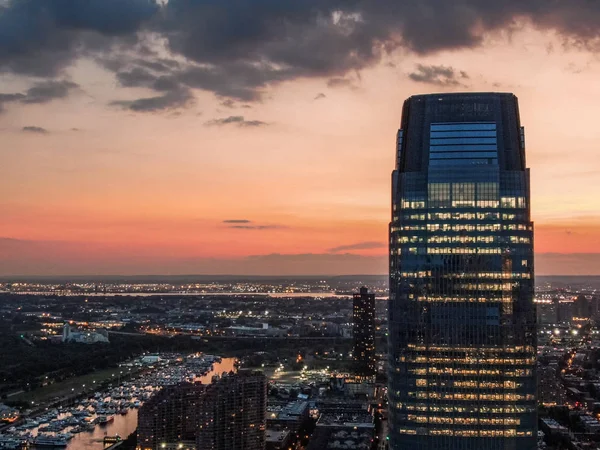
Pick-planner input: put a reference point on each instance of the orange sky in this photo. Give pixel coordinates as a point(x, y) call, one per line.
point(137, 193)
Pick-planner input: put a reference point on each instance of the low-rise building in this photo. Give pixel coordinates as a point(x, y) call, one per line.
point(343, 429)
point(84, 337)
point(290, 416)
point(277, 439)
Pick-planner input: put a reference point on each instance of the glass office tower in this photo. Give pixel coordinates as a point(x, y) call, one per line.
point(462, 332)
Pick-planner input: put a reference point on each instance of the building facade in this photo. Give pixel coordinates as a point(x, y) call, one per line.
point(462, 321)
point(83, 337)
point(169, 418)
point(228, 414)
point(232, 416)
point(363, 315)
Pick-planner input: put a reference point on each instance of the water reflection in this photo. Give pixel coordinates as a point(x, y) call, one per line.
point(124, 425)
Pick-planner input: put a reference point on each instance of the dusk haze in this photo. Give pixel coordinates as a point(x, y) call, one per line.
point(253, 137)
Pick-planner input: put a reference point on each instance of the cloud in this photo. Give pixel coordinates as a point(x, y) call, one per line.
point(136, 77)
point(257, 227)
point(339, 82)
point(159, 65)
point(245, 224)
point(241, 49)
point(30, 257)
point(319, 96)
point(237, 120)
point(42, 92)
point(438, 75)
point(8, 98)
point(48, 91)
point(177, 98)
point(42, 38)
point(253, 123)
point(34, 129)
point(358, 246)
point(22, 257)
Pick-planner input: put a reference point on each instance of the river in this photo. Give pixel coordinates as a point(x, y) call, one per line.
point(124, 425)
point(188, 294)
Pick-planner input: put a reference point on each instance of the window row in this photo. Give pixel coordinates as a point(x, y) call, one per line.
point(464, 433)
point(462, 126)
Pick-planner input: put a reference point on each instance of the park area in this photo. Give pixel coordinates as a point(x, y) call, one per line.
point(73, 387)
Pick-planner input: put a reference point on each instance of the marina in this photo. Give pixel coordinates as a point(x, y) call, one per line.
point(107, 416)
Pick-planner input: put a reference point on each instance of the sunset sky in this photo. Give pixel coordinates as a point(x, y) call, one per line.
point(257, 136)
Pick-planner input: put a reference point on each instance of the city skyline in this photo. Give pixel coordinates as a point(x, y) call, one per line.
point(122, 156)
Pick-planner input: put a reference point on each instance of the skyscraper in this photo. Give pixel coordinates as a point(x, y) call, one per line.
point(363, 315)
point(462, 332)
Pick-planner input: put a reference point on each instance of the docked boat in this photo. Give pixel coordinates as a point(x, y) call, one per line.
point(50, 441)
point(9, 443)
point(103, 420)
point(88, 426)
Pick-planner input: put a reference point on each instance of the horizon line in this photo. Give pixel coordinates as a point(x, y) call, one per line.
point(5, 277)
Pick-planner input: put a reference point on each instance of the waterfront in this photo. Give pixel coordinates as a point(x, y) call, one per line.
point(124, 425)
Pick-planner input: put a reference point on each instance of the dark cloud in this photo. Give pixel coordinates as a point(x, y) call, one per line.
point(34, 129)
point(237, 221)
point(438, 75)
point(235, 120)
point(358, 246)
point(43, 37)
point(136, 77)
point(11, 97)
point(141, 77)
point(174, 99)
point(7, 98)
point(239, 48)
point(48, 91)
point(42, 92)
point(159, 65)
point(320, 95)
